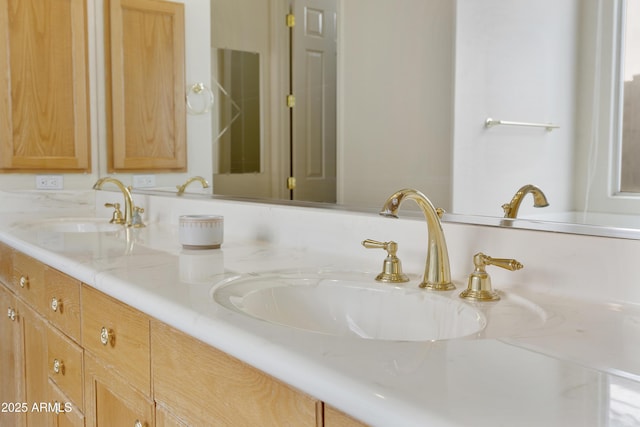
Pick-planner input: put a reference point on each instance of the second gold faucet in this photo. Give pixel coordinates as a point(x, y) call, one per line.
point(131, 212)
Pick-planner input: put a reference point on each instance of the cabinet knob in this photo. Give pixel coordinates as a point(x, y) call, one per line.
point(55, 304)
point(24, 281)
point(58, 366)
point(106, 336)
point(11, 314)
point(138, 423)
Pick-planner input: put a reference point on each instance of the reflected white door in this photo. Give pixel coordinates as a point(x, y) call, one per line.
point(314, 86)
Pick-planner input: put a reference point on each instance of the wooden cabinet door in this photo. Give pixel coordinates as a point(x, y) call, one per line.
point(111, 401)
point(35, 365)
point(11, 360)
point(146, 107)
point(44, 108)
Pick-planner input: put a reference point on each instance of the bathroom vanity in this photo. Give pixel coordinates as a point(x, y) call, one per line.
point(124, 321)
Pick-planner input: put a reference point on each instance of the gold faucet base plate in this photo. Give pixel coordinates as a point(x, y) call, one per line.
point(438, 286)
point(481, 295)
point(392, 278)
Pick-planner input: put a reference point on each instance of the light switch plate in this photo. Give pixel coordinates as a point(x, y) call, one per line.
point(144, 181)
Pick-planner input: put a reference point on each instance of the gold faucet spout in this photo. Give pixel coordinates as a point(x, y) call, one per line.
point(184, 186)
point(437, 272)
point(539, 200)
point(128, 199)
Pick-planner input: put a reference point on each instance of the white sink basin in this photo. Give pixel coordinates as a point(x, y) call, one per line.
point(349, 304)
point(70, 225)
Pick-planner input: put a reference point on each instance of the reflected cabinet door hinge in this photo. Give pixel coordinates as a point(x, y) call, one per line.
point(291, 183)
point(291, 20)
point(291, 101)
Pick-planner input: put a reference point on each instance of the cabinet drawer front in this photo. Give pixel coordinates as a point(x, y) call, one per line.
point(28, 279)
point(118, 335)
point(203, 384)
point(64, 361)
point(62, 298)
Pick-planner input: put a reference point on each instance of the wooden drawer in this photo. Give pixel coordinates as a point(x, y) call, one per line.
point(28, 280)
point(205, 386)
point(62, 298)
point(65, 364)
point(118, 335)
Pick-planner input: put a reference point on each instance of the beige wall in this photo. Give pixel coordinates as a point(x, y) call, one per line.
point(395, 104)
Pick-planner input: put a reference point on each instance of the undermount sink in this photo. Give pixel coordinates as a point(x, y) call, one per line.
point(349, 304)
point(70, 225)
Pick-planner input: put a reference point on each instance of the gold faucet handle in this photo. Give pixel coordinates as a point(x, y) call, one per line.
point(506, 208)
point(136, 221)
point(391, 247)
point(391, 267)
point(479, 287)
point(481, 259)
point(117, 217)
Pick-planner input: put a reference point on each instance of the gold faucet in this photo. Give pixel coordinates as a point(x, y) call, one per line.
point(131, 212)
point(437, 273)
point(539, 200)
point(184, 186)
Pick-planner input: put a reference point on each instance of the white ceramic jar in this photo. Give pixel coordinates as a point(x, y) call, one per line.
point(201, 231)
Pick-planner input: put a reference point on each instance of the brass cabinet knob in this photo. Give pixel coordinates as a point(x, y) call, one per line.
point(58, 366)
point(11, 314)
point(24, 281)
point(55, 304)
point(106, 336)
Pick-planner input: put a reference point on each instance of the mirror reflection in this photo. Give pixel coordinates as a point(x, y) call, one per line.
point(414, 86)
point(238, 111)
point(292, 79)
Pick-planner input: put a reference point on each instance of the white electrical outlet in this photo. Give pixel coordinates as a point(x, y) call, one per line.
point(144, 181)
point(49, 182)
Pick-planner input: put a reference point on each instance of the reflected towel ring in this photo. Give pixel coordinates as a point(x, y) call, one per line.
point(200, 89)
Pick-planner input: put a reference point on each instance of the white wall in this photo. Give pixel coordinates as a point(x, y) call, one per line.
point(598, 153)
point(515, 61)
point(395, 107)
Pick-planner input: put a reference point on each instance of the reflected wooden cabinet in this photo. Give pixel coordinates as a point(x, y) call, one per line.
point(146, 107)
point(44, 99)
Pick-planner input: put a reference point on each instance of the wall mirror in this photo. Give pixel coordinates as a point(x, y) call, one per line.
point(416, 82)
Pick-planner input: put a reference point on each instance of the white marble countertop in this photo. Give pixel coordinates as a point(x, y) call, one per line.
point(581, 368)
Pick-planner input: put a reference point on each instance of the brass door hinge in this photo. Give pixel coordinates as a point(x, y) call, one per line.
point(291, 101)
point(291, 20)
point(291, 183)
